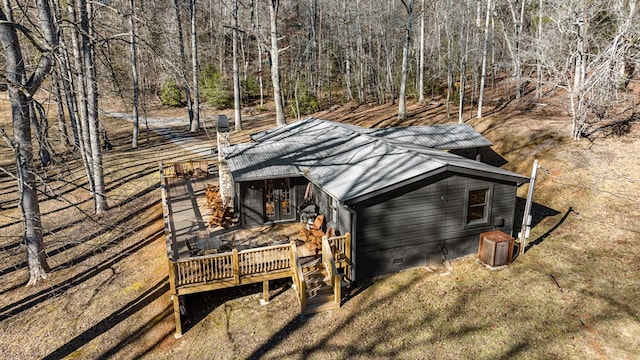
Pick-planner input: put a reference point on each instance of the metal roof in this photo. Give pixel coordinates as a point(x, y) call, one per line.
point(444, 137)
point(349, 164)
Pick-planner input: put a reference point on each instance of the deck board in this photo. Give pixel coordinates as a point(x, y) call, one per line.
point(191, 214)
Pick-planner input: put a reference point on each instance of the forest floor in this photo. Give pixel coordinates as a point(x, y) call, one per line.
point(575, 293)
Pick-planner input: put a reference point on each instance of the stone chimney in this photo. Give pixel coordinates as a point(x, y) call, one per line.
point(224, 174)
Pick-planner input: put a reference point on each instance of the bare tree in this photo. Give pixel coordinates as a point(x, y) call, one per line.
point(134, 74)
point(236, 75)
point(421, 55)
point(402, 97)
point(483, 70)
point(274, 53)
point(195, 124)
point(183, 61)
point(21, 88)
point(87, 78)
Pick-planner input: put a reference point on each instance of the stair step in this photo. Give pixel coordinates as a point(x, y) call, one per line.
point(314, 308)
point(319, 290)
point(320, 296)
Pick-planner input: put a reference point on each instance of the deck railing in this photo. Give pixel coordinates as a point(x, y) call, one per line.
point(234, 266)
point(264, 259)
point(330, 266)
point(298, 277)
point(187, 168)
point(341, 249)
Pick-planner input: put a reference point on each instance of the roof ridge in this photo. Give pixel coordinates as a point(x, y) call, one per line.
point(394, 144)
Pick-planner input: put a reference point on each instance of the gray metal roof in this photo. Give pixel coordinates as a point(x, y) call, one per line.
point(444, 137)
point(287, 152)
point(350, 165)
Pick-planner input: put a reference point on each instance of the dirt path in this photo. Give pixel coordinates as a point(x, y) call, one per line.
point(174, 129)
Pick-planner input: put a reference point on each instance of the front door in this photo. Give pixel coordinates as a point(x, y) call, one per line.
point(278, 199)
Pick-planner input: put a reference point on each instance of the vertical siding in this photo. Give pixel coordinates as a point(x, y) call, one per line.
point(321, 199)
point(426, 225)
point(344, 220)
point(300, 185)
point(251, 204)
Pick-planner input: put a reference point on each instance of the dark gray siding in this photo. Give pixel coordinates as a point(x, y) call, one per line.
point(321, 199)
point(344, 220)
point(300, 186)
point(251, 204)
point(425, 225)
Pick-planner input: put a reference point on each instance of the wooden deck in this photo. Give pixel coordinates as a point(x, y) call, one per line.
point(203, 259)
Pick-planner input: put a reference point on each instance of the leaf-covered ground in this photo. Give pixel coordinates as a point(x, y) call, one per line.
point(574, 294)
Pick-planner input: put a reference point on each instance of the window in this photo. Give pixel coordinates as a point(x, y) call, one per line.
point(333, 208)
point(477, 209)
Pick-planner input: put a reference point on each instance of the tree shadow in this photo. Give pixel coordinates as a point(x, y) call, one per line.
point(357, 345)
point(132, 307)
point(99, 232)
point(616, 128)
point(55, 290)
point(200, 305)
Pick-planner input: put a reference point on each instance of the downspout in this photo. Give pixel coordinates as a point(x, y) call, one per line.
point(354, 223)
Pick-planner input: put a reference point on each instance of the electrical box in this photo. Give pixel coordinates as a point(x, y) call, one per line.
point(495, 248)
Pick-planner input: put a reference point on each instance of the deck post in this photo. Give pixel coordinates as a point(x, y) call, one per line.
point(265, 293)
point(176, 299)
point(236, 266)
point(347, 251)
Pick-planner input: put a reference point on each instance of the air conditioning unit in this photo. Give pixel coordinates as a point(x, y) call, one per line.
point(495, 248)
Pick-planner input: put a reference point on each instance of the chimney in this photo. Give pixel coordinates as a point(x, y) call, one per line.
point(224, 174)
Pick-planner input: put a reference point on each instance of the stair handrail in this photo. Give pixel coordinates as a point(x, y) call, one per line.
point(330, 265)
point(298, 276)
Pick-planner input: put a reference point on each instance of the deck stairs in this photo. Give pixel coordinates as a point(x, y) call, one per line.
point(320, 296)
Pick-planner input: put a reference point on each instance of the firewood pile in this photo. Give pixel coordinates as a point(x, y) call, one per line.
point(220, 210)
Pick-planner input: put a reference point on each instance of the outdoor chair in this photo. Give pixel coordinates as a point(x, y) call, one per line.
point(193, 251)
point(219, 214)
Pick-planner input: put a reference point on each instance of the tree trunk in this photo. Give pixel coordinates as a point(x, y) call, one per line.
point(66, 77)
point(81, 95)
point(183, 61)
point(260, 83)
point(236, 76)
point(275, 62)
point(402, 97)
point(134, 75)
point(539, 53)
point(421, 59)
point(463, 44)
point(195, 124)
point(483, 70)
point(62, 124)
point(518, 20)
point(88, 59)
point(20, 92)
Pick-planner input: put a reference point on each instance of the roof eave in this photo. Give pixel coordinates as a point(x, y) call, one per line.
point(513, 177)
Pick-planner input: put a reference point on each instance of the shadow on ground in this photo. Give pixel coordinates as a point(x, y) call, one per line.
point(198, 306)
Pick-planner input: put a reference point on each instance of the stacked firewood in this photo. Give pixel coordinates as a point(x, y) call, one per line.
point(212, 194)
point(219, 209)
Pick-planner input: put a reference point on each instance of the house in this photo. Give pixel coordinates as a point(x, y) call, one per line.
point(405, 201)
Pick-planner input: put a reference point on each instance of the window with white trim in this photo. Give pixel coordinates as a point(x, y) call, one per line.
point(477, 210)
